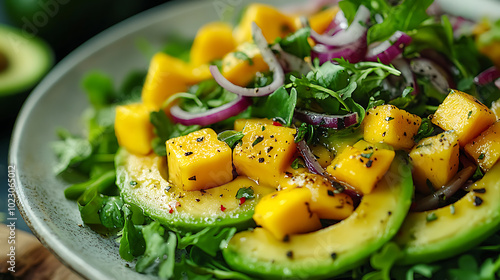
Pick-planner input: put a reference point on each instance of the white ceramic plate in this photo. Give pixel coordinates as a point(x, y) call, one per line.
point(59, 102)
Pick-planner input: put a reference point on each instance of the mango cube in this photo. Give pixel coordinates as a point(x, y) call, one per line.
point(272, 22)
point(391, 125)
point(361, 168)
point(464, 114)
point(265, 152)
point(286, 212)
point(326, 202)
point(435, 161)
point(241, 66)
point(485, 149)
point(168, 75)
point(239, 124)
point(213, 41)
point(133, 129)
point(199, 161)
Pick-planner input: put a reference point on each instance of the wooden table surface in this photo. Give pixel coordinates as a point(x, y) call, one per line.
point(32, 260)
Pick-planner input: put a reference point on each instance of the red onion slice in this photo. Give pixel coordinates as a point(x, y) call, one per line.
point(438, 76)
point(353, 53)
point(330, 121)
point(352, 34)
point(388, 49)
point(338, 24)
point(432, 201)
point(497, 83)
point(211, 116)
point(409, 77)
point(269, 58)
point(309, 159)
point(487, 76)
point(290, 62)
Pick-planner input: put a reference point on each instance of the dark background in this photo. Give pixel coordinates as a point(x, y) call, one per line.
point(64, 25)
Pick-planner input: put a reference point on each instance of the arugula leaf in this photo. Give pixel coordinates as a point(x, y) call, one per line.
point(407, 16)
point(99, 89)
point(208, 240)
point(132, 243)
point(111, 215)
point(297, 43)
point(278, 105)
point(70, 151)
point(159, 254)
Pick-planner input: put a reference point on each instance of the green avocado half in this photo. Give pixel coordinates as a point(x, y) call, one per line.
point(141, 180)
point(24, 60)
point(456, 228)
point(334, 249)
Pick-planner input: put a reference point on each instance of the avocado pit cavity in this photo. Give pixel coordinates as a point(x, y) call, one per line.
point(4, 62)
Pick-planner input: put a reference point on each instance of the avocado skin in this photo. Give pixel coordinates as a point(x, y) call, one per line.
point(238, 253)
point(12, 96)
point(471, 232)
point(240, 218)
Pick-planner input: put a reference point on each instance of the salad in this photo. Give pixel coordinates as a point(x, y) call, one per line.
point(349, 140)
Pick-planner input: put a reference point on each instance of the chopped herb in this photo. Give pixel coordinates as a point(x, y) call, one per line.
point(333, 255)
point(330, 193)
point(200, 139)
point(257, 140)
point(192, 178)
point(289, 254)
point(452, 209)
point(481, 156)
point(470, 114)
point(188, 153)
point(247, 193)
point(367, 155)
point(389, 119)
point(369, 163)
point(243, 56)
point(263, 128)
point(431, 217)
point(296, 164)
point(133, 183)
point(478, 201)
point(261, 160)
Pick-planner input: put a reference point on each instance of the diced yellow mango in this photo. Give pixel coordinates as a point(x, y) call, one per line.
point(272, 22)
point(169, 75)
point(391, 125)
point(435, 161)
point(239, 124)
point(322, 155)
point(133, 129)
point(199, 161)
point(485, 149)
point(495, 108)
point(361, 169)
point(241, 66)
point(286, 212)
point(326, 202)
point(265, 152)
point(213, 41)
point(320, 21)
point(464, 114)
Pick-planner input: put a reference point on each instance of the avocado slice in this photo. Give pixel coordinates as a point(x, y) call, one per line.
point(455, 228)
point(141, 180)
point(334, 249)
point(24, 60)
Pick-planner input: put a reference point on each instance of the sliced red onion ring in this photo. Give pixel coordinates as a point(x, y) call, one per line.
point(338, 24)
point(497, 83)
point(211, 116)
point(432, 201)
point(438, 76)
point(269, 58)
point(410, 80)
point(388, 49)
point(309, 159)
point(352, 34)
point(330, 121)
point(487, 76)
point(353, 53)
